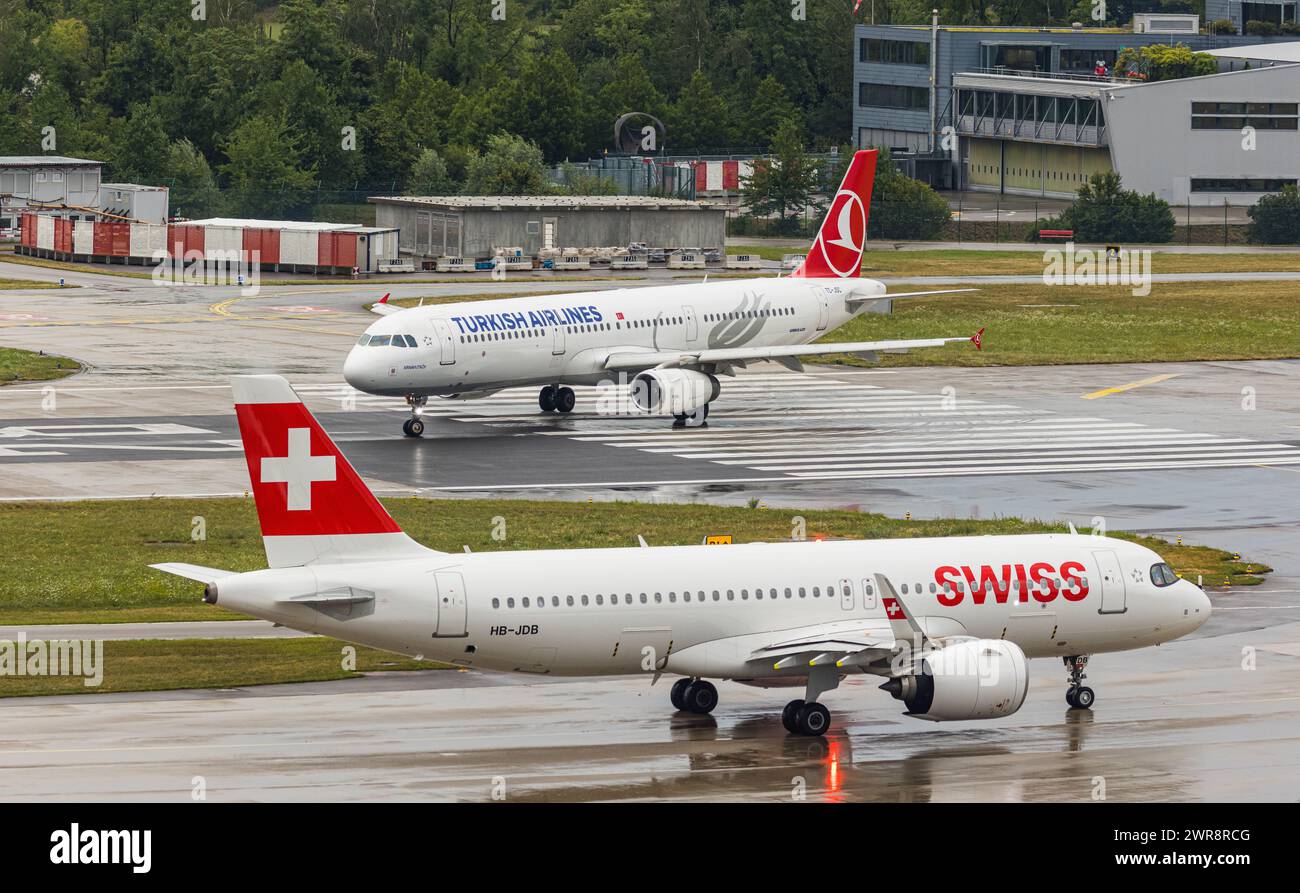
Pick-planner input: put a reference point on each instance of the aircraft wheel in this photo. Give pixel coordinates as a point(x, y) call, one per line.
point(812, 719)
point(700, 696)
point(565, 400)
point(1084, 698)
point(546, 399)
point(1069, 695)
point(412, 428)
point(679, 421)
point(678, 692)
point(787, 716)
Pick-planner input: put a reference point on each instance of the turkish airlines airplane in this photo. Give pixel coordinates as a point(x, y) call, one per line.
point(948, 624)
point(673, 341)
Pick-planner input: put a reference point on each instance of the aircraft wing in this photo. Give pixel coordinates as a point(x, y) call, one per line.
point(841, 644)
point(632, 359)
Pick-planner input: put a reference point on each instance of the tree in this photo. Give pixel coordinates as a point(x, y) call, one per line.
point(139, 150)
point(429, 176)
point(194, 192)
point(1158, 62)
point(784, 185)
point(511, 165)
point(1275, 219)
point(1106, 212)
point(698, 119)
point(263, 172)
point(901, 207)
point(543, 104)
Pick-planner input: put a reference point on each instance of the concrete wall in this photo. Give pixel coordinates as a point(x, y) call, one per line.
point(483, 229)
point(1160, 115)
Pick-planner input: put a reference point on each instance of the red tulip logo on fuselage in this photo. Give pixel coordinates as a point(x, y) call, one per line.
point(842, 245)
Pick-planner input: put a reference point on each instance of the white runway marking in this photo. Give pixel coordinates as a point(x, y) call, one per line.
point(848, 428)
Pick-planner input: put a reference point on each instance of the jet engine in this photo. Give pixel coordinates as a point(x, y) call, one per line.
point(975, 679)
point(674, 391)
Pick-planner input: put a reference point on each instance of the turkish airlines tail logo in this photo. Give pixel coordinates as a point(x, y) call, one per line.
point(302, 484)
point(837, 251)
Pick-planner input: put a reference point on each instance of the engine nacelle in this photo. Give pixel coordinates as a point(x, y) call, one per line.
point(979, 679)
point(674, 391)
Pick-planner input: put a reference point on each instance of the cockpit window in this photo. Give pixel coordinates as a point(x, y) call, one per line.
point(363, 340)
point(410, 341)
point(1163, 575)
point(379, 340)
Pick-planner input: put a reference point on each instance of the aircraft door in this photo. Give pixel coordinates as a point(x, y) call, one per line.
point(823, 310)
point(643, 649)
point(1113, 591)
point(450, 606)
point(846, 595)
point(692, 325)
point(446, 341)
point(557, 343)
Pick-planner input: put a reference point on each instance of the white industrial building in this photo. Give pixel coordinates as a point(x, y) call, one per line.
point(30, 182)
point(1228, 138)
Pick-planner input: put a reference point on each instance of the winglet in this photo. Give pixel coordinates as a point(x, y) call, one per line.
point(978, 339)
point(382, 307)
point(901, 622)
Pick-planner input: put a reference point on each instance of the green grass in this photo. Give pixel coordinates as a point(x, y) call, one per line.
point(26, 365)
point(162, 665)
point(1032, 325)
point(971, 262)
point(115, 541)
point(101, 269)
point(15, 284)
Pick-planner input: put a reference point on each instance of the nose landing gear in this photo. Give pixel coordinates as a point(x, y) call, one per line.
point(1078, 695)
point(694, 695)
point(414, 426)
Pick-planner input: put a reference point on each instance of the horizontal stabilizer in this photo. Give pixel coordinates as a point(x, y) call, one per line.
point(872, 299)
point(192, 571)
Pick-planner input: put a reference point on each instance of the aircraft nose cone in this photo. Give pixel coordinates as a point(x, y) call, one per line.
point(354, 370)
point(1197, 604)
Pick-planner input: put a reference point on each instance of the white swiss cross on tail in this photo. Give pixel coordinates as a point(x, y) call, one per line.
point(893, 610)
point(298, 470)
point(311, 503)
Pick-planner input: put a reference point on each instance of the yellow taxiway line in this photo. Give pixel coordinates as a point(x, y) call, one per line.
point(1104, 392)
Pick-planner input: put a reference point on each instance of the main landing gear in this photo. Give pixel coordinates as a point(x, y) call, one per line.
point(414, 426)
point(804, 716)
point(698, 418)
point(553, 398)
point(1078, 695)
point(694, 695)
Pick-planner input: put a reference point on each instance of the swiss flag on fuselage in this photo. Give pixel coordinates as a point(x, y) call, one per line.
point(837, 251)
point(302, 484)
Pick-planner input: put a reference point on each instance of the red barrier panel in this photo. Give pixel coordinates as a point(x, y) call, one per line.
point(63, 235)
point(325, 250)
point(29, 230)
point(120, 239)
point(194, 238)
point(336, 250)
point(264, 241)
point(102, 241)
point(701, 176)
point(731, 175)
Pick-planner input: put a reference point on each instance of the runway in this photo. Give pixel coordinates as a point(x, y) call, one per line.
point(1207, 451)
point(1183, 722)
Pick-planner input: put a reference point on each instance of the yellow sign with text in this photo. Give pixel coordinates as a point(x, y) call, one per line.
point(719, 539)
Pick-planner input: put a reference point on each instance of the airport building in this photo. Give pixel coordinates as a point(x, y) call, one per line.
point(38, 181)
point(1276, 12)
point(477, 226)
point(1031, 116)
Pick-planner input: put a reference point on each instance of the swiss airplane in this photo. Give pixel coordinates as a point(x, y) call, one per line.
point(673, 342)
point(948, 623)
